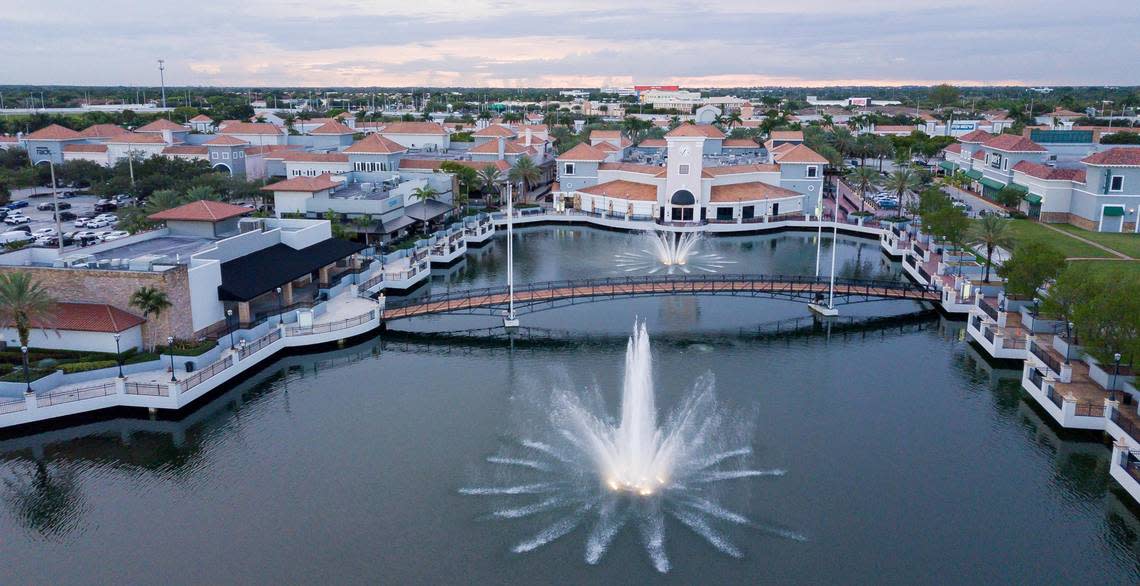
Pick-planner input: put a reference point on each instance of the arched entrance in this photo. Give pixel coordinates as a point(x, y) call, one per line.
point(221, 166)
point(682, 206)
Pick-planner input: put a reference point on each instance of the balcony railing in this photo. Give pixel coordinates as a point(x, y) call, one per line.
point(1044, 356)
point(1013, 343)
point(976, 322)
point(988, 309)
point(917, 249)
point(925, 275)
point(331, 326)
point(989, 334)
point(1053, 396)
point(147, 389)
point(259, 343)
point(78, 394)
point(1089, 409)
point(1125, 424)
point(12, 405)
point(199, 377)
point(910, 261)
point(1036, 378)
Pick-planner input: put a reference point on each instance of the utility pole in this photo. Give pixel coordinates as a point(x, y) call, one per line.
point(162, 79)
point(510, 321)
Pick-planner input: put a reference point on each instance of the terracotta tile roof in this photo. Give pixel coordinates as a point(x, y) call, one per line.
point(605, 147)
point(185, 149)
point(494, 130)
point(202, 118)
point(582, 152)
point(623, 189)
point(705, 130)
point(160, 125)
point(534, 128)
point(53, 132)
point(307, 157)
point(376, 144)
point(894, 128)
point(739, 169)
point(786, 135)
point(304, 184)
point(1013, 143)
point(653, 143)
point(102, 131)
point(1116, 157)
point(84, 148)
point(223, 140)
point(8, 139)
point(89, 317)
point(491, 147)
point(800, 153)
point(435, 164)
point(979, 155)
point(954, 148)
point(332, 128)
point(605, 134)
point(976, 136)
point(201, 211)
point(236, 127)
point(414, 128)
point(740, 143)
point(132, 138)
point(1063, 113)
point(751, 191)
point(1049, 173)
point(269, 150)
point(634, 168)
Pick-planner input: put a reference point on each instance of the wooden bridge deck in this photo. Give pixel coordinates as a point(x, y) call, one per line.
point(804, 289)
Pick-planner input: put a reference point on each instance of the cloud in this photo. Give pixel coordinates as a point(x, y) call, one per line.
point(561, 43)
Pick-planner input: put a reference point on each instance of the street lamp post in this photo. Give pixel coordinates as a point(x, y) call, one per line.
point(170, 350)
point(1115, 372)
point(27, 375)
point(55, 205)
point(1068, 341)
point(229, 314)
point(118, 356)
point(280, 307)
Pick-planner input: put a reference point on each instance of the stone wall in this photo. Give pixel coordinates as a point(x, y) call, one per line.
point(115, 288)
point(1067, 218)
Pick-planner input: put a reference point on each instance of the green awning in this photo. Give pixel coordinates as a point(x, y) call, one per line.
point(1016, 187)
point(1113, 211)
point(948, 166)
point(974, 174)
point(991, 183)
point(1032, 198)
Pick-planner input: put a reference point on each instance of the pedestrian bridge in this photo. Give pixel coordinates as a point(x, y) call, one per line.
point(533, 297)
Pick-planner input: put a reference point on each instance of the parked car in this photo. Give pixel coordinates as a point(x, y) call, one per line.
point(14, 236)
point(84, 235)
point(17, 219)
point(66, 216)
point(97, 223)
point(43, 232)
point(47, 205)
point(15, 205)
point(81, 222)
point(105, 205)
point(123, 200)
point(115, 235)
point(108, 217)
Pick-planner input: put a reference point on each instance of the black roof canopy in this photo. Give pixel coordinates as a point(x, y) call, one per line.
point(246, 277)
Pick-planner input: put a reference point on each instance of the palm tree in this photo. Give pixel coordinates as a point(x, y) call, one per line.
point(490, 176)
point(423, 194)
point(524, 172)
point(151, 302)
point(162, 200)
point(862, 179)
point(904, 179)
point(991, 232)
point(733, 119)
point(201, 192)
point(23, 302)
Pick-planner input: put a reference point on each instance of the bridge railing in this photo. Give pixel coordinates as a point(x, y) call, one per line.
point(678, 283)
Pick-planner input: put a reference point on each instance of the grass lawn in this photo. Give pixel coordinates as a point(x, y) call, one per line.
point(1115, 268)
point(1030, 231)
point(1125, 242)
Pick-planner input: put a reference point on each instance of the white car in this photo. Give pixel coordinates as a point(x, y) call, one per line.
point(17, 220)
point(43, 232)
point(97, 223)
point(107, 217)
point(81, 222)
point(16, 236)
point(102, 234)
point(84, 235)
point(115, 235)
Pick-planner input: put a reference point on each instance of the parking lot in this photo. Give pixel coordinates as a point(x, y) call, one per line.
point(82, 205)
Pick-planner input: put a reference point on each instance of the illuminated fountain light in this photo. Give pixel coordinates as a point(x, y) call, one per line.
point(672, 253)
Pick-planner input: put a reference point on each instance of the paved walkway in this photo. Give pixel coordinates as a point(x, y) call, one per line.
point(1111, 251)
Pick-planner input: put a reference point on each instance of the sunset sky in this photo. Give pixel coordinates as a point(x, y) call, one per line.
point(585, 43)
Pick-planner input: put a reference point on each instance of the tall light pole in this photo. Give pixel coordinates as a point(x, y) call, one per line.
point(118, 355)
point(55, 205)
point(27, 376)
point(162, 79)
point(170, 350)
point(510, 321)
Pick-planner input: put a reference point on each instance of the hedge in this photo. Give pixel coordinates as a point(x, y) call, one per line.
point(17, 374)
point(184, 348)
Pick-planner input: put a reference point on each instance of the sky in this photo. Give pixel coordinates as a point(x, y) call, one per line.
point(575, 43)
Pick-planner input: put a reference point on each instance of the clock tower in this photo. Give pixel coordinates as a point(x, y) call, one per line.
point(682, 198)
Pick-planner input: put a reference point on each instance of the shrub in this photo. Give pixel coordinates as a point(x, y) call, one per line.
point(186, 348)
point(34, 374)
point(72, 367)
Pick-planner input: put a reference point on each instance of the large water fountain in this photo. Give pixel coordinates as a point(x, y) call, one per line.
point(670, 252)
point(581, 467)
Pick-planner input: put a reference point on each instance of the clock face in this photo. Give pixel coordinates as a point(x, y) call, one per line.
point(684, 151)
